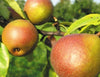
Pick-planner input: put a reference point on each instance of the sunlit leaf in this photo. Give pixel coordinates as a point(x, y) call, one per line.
point(14, 5)
point(4, 60)
point(52, 73)
point(86, 21)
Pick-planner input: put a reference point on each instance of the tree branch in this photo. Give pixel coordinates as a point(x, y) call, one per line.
point(58, 33)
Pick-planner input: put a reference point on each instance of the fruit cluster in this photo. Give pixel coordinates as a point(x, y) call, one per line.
point(75, 55)
point(20, 36)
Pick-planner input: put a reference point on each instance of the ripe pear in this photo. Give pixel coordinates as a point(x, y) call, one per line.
point(77, 55)
point(20, 37)
point(38, 11)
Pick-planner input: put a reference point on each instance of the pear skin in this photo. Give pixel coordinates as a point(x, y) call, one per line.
point(38, 11)
point(77, 55)
point(20, 37)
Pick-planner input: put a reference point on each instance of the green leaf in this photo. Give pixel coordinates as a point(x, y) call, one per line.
point(98, 28)
point(4, 60)
point(14, 5)
point(4, 11)
point(40, 59)
point(1, 29)
point(46, 27)
point(21, 67)
point(99, 75)
point(91, 19)
point(52, 73)
point(21, 3)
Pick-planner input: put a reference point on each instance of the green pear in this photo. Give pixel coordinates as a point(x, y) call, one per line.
point(20, 37)
point(77, 55)
point(38, 11)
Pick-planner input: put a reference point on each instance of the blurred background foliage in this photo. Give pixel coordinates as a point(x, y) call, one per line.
point(39, 65)
point(67, 11)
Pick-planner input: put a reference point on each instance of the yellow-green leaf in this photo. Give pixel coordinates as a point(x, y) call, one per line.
point(4, 60)
point(14, 5)
point(91, 19)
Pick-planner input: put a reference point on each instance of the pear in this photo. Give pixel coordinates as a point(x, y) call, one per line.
point(20, 37)
point(38, 11)
point(76, 55)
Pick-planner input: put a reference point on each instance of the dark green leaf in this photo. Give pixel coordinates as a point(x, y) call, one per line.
point(98, 28)
point(1, 29)
point(4, 11)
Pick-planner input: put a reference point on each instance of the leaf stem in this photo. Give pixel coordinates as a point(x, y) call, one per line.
point(61, 25)
point(66, 23)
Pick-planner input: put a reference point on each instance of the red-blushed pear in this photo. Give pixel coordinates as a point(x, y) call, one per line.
point(77, 55)
point(38, 11)
point(20, 37)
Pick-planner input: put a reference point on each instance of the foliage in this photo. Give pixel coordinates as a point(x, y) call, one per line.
point(86, 21)
point(3, 8)
point(21, 3)
point(67, 11)
point(63, 11)
point(70, 18)
point(4, 60)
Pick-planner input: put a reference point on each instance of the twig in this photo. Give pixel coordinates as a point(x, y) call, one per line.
point(58, 33)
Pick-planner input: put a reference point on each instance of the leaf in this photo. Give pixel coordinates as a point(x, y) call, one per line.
point(21, 3)
point(1, 29)
point(99, 75)
point(4, 60)
point(14, 5)
point(91, 19)
point(98, 28)
point(46, 27)
point(52, 73)
point(4, 11)
point(34, 68)
point(40, 59)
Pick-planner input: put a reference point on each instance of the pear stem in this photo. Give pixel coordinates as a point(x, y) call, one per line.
point(98, 34)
